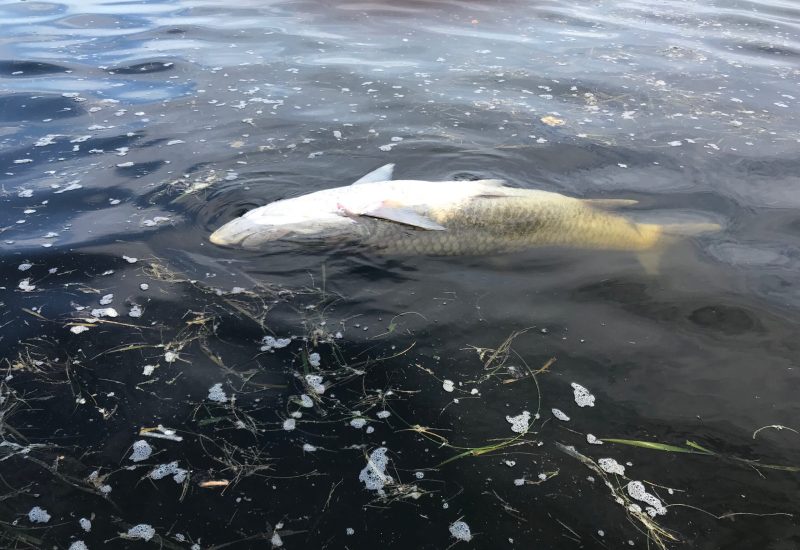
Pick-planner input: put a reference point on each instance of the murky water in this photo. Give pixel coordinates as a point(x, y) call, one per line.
point(129, 131)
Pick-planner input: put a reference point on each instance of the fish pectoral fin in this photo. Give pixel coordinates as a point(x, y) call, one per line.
point(611, 203)
point(384, 173)
point(404, 215)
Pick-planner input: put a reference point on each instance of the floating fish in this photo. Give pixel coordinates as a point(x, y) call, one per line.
point(447, 218)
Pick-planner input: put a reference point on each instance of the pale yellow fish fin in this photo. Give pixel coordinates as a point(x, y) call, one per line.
point(651, 260)
point(396, 213)
point(690, 229)
point(610, 203)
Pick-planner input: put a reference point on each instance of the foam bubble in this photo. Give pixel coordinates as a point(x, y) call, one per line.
point(216, 393)
point(374, 473)
point(460, 530)
point(637, 491)
point(314, 359)
point(289, 424)
point(85, 524)
point(583, 397)
point(141, 451)
point(270, 342)
point(447, 385)
point(38, 515)
point(358, 423)
point(559, 414)
point(178, 474)
point(142, 531)
point(519, 423)
point(611, 466)
point(78, 545)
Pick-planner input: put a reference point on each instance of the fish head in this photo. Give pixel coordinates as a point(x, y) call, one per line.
point(284, 221)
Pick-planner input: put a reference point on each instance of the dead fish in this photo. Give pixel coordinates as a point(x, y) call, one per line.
point(447, 218)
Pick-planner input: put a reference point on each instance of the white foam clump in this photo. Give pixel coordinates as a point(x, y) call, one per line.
point(25, 266)
point(559, 414)
point(316, 383)
point(583, 397)
point(85, 524)
point(314, 359)
point(142, 531)
point(309, 448)
point(136, 311)
point(611, 466)
point(460, 530)
point(170, 356)
point(25, 285)
point(276, 540)
point(170, 469)
point(38, 515)
point(141, 450)
point(216, 393)
point(358, 423)
point(130, 260)
point(105, 312)
point(519, 423)
point(590, 438)
point(78, 545)
point(306, 401)
point(374, 473)
point(270, 342)
point(289, 424)
point(636, 490)
point(107, 299)
point(147, 370)
point(383, 414)
point(78, 329)
point(448, 385)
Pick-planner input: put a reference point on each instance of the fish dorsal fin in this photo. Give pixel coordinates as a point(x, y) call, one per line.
point(610, 204)
point(404, 215)
point(384, 173)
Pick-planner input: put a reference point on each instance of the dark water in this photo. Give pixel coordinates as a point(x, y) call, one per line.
point(133, 129)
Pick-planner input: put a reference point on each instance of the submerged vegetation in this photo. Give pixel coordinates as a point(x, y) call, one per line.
point(203, 396)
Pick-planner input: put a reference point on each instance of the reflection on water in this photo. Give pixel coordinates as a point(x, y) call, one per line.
point(130, 131)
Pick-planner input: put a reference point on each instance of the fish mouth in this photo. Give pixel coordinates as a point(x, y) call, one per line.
point(244, 233)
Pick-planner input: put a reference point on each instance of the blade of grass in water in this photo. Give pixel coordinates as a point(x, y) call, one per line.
point(695, 448)
point(658, 446)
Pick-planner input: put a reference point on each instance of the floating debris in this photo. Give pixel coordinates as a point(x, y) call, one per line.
point(552, 121)
point(460, 530)
point(38, 515)
point(141, 451)
point(519, 423)
point(160, 432)
point(583, 397)
point(217, 394)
